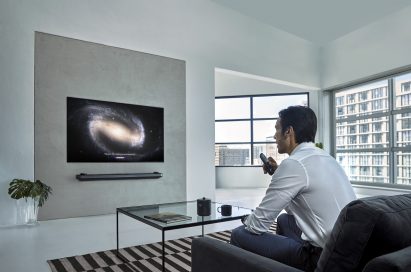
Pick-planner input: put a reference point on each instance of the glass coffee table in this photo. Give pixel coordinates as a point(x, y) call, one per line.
point(188, 208)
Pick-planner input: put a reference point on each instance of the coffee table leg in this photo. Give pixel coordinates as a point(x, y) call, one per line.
point(117, 242)
point(164, 253)
point(117, 230)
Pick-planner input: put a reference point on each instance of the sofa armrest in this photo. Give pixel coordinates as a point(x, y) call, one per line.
point(397, 261)
point(212, 255)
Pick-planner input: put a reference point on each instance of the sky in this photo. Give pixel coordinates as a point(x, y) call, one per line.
point(239, 108)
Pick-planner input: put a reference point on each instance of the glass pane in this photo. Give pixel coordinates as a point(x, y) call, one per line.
point(402, 89)
point(362, 100)
point(232, 155)
point(264, 131)
point(232, 108)
point(403, 168)
point(269, 106)
point(270, 150)
point(237, 131)
point(364, 133)
point(188, 208)
point(403, 128)
point(365, 166)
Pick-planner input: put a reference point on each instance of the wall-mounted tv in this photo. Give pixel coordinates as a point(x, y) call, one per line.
point(99, 131)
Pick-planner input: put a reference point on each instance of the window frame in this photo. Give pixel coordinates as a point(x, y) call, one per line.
point(251, 120)
point(391, 113)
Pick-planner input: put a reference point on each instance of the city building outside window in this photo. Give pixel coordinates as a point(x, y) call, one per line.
point(245, 127)
point(364, 128)
point(373, 134)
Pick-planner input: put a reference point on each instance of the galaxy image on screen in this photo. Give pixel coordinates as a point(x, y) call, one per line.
point(99, 131)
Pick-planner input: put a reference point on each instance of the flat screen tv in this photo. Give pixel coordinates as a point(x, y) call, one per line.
point(99, 131)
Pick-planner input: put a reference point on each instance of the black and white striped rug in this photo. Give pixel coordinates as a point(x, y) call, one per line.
point(140, 258)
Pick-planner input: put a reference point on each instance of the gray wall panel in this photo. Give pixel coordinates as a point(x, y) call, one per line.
point(68, 67)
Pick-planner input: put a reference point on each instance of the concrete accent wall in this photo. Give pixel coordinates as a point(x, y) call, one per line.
point(66, 67)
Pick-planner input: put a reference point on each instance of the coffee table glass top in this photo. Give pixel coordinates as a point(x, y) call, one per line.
point(188, 208)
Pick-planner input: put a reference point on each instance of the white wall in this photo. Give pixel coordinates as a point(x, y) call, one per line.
point(241, 177)
point(200, 32)
point(378, 47)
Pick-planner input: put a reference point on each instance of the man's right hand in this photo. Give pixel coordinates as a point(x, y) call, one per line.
point(272, 162)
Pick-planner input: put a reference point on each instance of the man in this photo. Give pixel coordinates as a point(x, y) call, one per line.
point(310, 185)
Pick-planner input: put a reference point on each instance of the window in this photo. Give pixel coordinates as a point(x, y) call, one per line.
point(405, 87)
point(379, 92)
point(364, 160)
point(363, 107)
point(378, 105)
point(245, 127)
point(340, 111)
point(376, 127)
point(351, 109)
point(364, 128)
point(352, 140)
point(352, 129)
point(376, 131)
point(339, 101)
point(363, 95)
point(364, 139)
point(351, 98)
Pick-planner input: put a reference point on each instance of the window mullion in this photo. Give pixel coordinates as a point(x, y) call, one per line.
point(333, 140)
point(252, 132)
point(392, 132)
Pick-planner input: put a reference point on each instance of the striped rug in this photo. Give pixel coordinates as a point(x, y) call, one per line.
point(140, 258)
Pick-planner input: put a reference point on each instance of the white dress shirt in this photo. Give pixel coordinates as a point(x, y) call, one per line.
point(312, 186)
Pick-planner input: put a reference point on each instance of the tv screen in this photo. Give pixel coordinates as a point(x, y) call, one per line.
point(99, 131)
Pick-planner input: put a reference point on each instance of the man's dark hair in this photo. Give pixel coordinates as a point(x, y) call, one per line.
point(303, 121)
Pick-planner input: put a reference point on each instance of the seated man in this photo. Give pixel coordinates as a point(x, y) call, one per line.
point(310, 185)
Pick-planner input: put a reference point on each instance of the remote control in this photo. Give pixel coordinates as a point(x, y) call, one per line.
point(268, 166)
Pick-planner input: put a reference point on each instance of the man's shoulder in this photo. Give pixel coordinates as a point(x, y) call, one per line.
point(308, 152)
point(290, 162)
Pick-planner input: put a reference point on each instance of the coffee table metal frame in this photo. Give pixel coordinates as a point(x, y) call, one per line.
point(205, 220)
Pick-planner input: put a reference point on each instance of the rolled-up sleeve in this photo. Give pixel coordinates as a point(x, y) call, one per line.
point(289, 179)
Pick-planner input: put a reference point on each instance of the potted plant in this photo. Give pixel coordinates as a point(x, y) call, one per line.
point(35, 194)
point(319, 145)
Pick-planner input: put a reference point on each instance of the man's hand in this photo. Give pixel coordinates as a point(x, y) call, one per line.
point(243, 219)
point(272, 162)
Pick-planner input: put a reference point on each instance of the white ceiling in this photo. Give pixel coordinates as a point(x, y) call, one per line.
point(318, 21)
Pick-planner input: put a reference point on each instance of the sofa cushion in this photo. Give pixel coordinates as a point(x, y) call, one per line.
point(211, 255)
point(365, 229)
point(397, 261)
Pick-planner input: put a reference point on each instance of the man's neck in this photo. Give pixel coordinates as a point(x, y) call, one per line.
point(292, 147)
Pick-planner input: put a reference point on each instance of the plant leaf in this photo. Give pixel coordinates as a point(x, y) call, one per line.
point(20, 188)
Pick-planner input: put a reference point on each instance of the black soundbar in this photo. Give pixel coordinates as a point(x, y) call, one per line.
point(87, 177)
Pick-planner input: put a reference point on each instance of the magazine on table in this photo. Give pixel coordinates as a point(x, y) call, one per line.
point(168, 217)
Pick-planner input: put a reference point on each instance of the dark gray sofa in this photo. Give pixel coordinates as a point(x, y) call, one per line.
point(370, 235)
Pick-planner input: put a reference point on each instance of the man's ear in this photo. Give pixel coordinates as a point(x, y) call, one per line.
point(289, 131)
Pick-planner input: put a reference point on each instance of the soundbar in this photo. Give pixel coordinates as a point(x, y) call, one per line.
point(87, 177)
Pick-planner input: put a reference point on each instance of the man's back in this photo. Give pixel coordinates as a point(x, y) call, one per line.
point(325, 192)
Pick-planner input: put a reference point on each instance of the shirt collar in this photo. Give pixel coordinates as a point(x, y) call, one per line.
point(301, 146)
